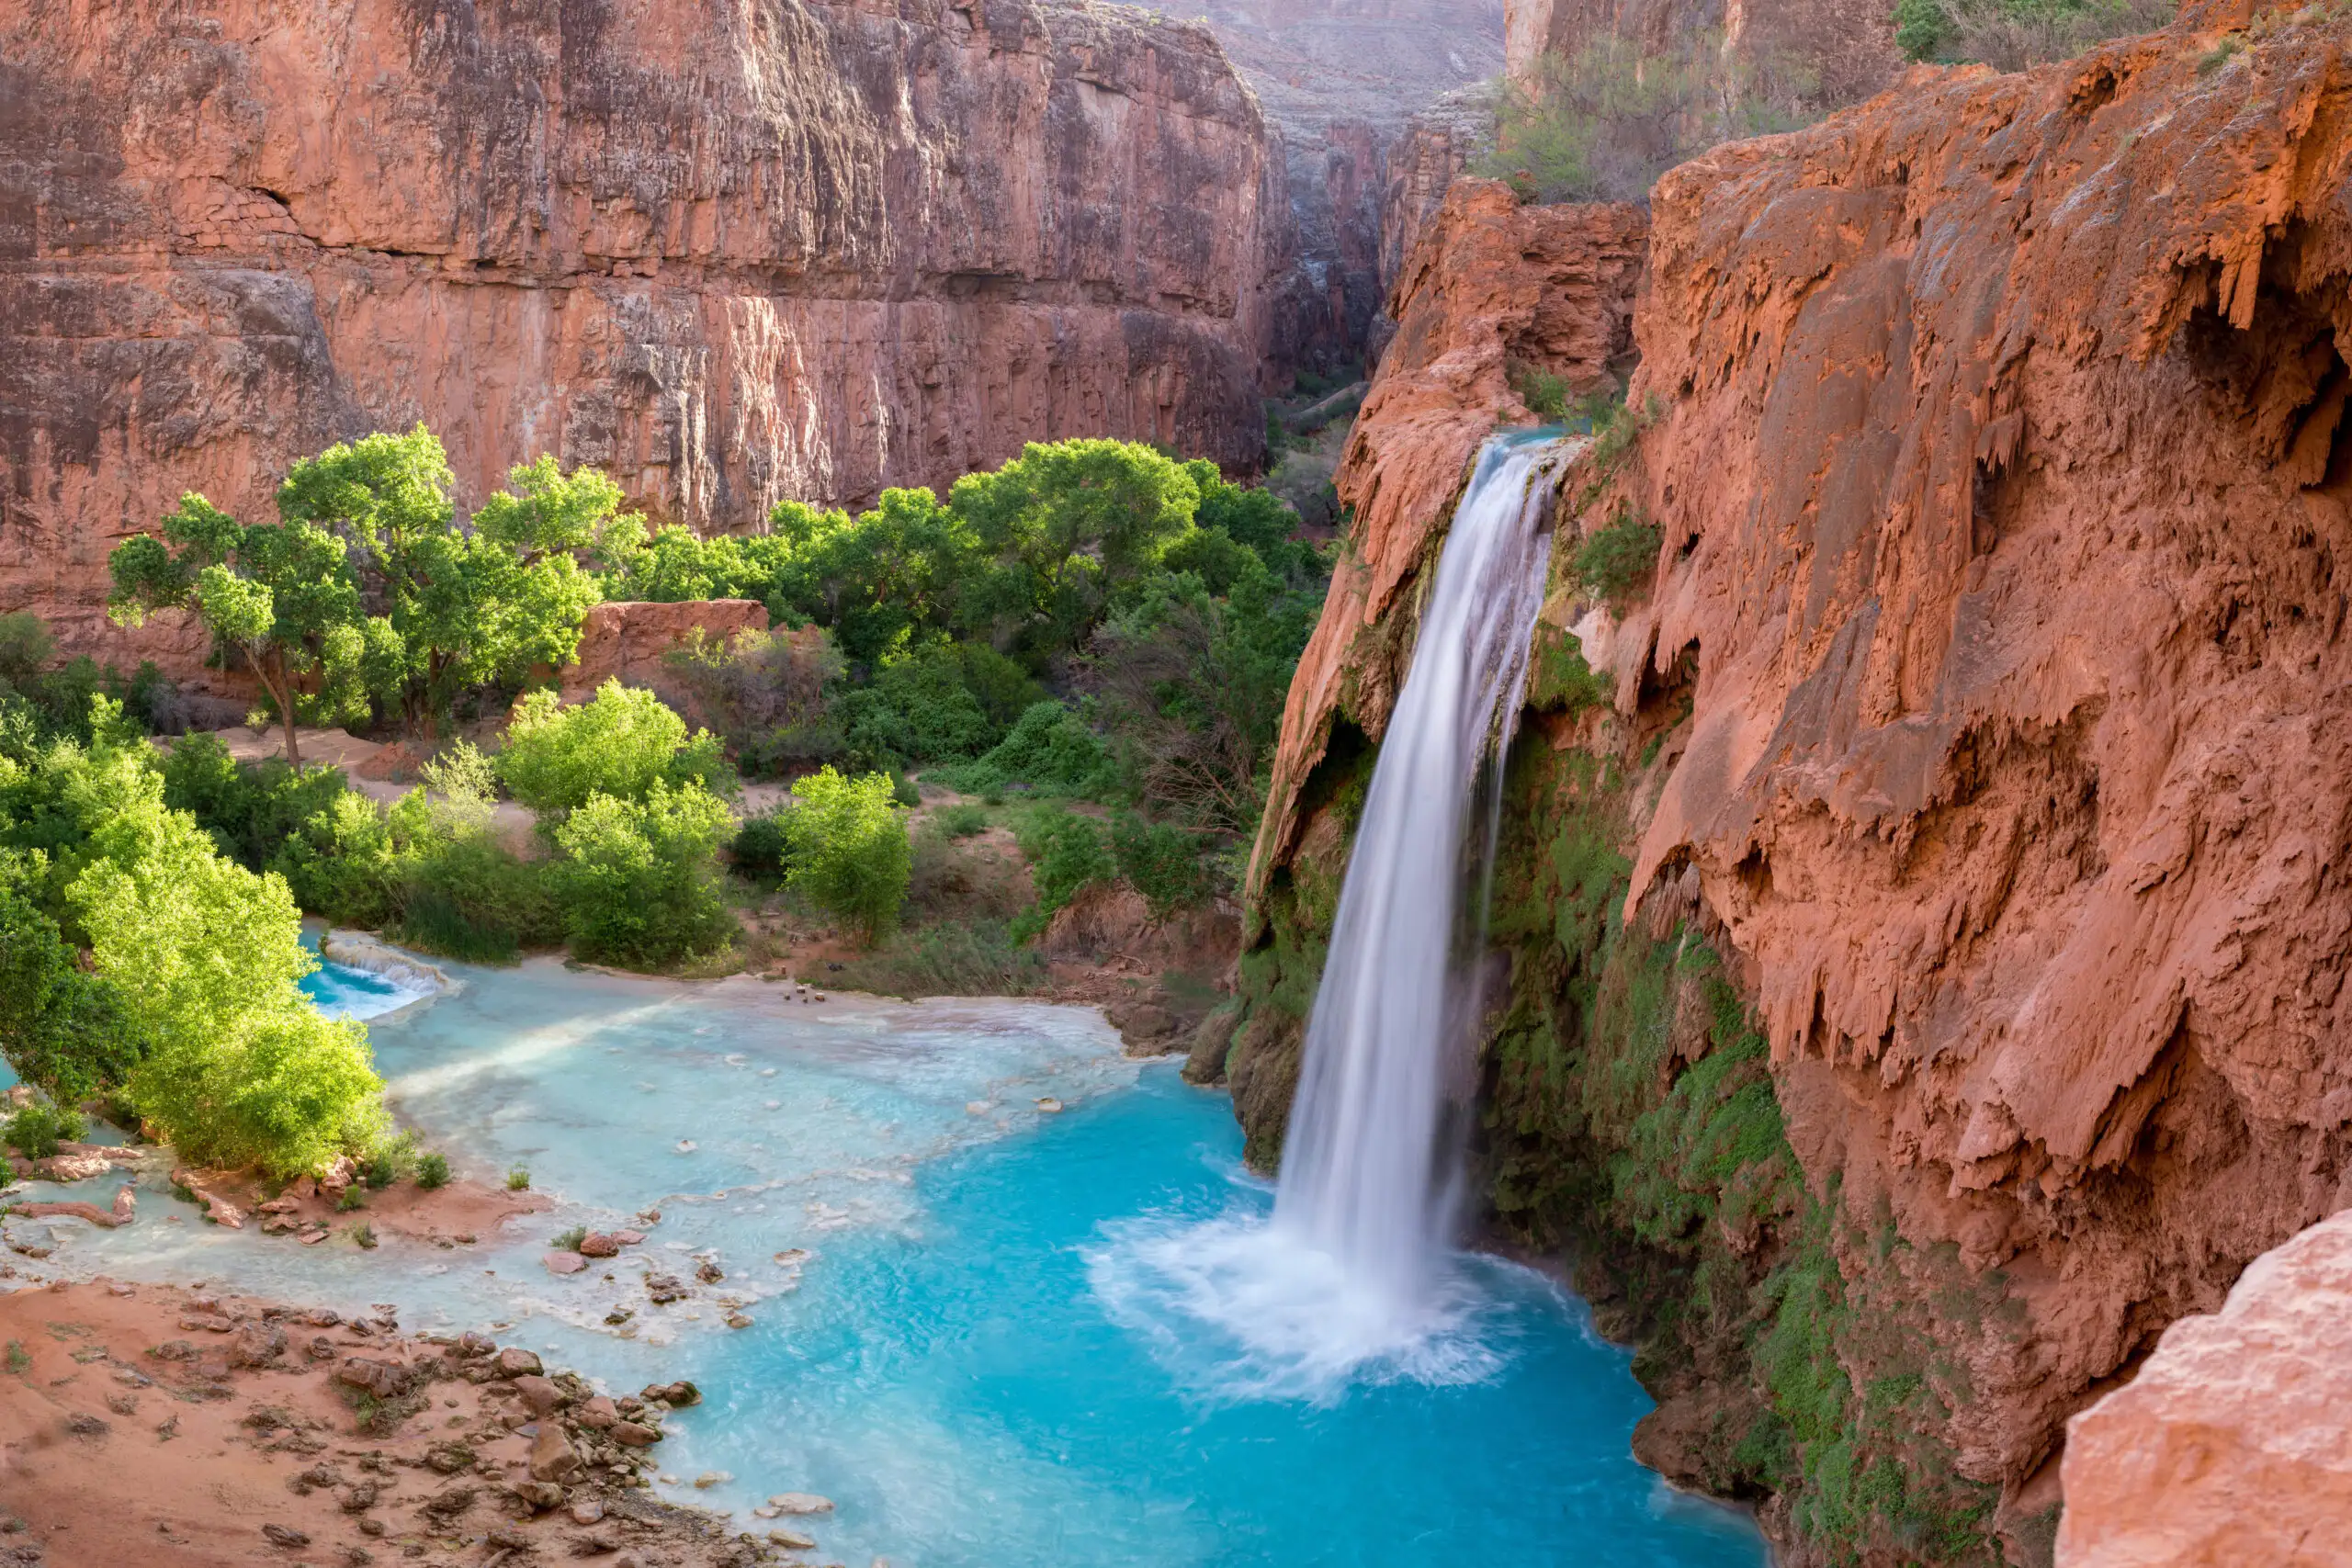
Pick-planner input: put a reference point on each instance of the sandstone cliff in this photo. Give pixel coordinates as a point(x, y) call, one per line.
point(1978, 732)
point(729, 254)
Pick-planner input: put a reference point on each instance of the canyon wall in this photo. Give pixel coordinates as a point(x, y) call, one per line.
point(1359, 91)
point(1924, 883)
point(731, 254)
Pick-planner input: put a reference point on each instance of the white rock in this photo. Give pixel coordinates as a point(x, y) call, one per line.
point(801, 1503)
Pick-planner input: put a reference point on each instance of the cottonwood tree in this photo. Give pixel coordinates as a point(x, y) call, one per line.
point(280, 595)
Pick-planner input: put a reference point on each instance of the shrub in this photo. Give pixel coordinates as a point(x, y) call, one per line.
point(35, 1132)
point(65, 1032)
point(903, 791)
point(569, 1240)
point(433, 1170)
point(2012, 35)
point(850, 855)
point(1619, 558)
point(1164, 862)
point(766, 693)
point(7, 1174)
point(1065, 854)
point(760, 845)
point(391, 1160)
point(349, 1199)
point(518, 1180)
point(636, 884)
point(621, 743)
point(961, 958)
point(918, 708)
point(1546, 394)
point(964, 821)
point(341, 864)
point(1051, 750)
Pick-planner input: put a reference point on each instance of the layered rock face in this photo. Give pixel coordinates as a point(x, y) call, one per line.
point(2004, 482)
point(1976, 731)
point(730, 254)
point(2228, 1448)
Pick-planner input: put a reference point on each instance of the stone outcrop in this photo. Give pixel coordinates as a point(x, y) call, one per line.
point(628, 641)
point(731, 256)
point(1492, 283)
point(2228, 1448)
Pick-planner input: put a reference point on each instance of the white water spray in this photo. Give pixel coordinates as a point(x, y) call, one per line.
point(1368, 1171)
point(1351, 1280)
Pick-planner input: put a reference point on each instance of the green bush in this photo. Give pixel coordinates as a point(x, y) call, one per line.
point(1618, 558)
point(637, 882)
point(622, 743)
point(7, 1174)
point(964, 821)
point(36, 1130)
point(1066, 855)
point(65, 1032)
point(956, 958)
point(1164, 862)
point(850, 853)
point(432, 1170)
point(569, 1241)
point(1546, 394)
point(1050, 750)
point(2013, 35)
point(391, 1160)
point(518, 1180)
point(761, 844)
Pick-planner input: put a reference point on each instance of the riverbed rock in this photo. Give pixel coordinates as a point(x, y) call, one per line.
point(562, 1260)
point(552, 1456)
point(540, 1393)
point(634, 1434)
point(596, 1244)
point(792, 1539)
point(597, 1413)
point(105, 1219)
point(514, 1362)
point(801, 1503)
point(383, 1380)
point(541, 1495)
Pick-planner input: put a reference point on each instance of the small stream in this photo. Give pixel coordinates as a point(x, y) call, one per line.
point(986, 1356)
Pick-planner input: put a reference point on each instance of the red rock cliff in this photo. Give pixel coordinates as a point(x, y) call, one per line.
point(2003, 477)
point(731, 254)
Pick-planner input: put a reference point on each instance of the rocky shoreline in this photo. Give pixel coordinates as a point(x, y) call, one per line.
point(159, 1422)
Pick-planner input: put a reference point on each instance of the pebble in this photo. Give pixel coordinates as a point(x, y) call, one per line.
point(1048, 1104)
point(685, 1145)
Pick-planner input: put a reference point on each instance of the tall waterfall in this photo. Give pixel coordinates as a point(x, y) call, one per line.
point(1351, 1277)
point(1368, 1176)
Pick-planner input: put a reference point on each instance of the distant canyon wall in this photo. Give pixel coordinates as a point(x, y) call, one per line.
point(731, 254)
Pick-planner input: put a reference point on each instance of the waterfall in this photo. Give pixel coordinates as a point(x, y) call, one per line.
point(1352, 1279)
point(1369, 1167)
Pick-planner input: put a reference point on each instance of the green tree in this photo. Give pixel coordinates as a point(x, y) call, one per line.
point(637, 883)
point(469, 605)
point(281, 596)
point(64, 1031)
point(622, 742)
point(850, 854)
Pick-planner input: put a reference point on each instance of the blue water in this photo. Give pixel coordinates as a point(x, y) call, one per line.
point(971, 1323)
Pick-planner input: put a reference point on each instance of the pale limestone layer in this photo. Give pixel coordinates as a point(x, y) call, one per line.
point(2232, 1448)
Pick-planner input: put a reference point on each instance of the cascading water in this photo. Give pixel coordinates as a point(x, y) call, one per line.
point(1352, 1279)
point(1367, 1173)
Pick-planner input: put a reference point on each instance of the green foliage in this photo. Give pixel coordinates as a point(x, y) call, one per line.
point(432, 1170)
point(518, 1180)
point(1545, 393)
point(36, 1130)
point(569, 1241)
point(1164, 862)
point(917, 709)
point(762, 844)
point(64, 1031)
point(2012, 35)
point(1191, 687)
point(636, 884)
point(850, 854)
point(1051, 750)
point(1067, 855)
point(282, 596)
point(964, 821)
point(463, 606)
point(391, 1160)
point(350, 1199)
point(1618, 558)
point(623, 743)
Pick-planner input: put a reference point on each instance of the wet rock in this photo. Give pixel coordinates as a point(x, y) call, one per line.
point(679, 1393)
point(792, 1539)
point(562, 1261)
point(1212, 1039)
point(552, 1456)
point(634, 1434)
point(599, 1414)
point(801, 1503)
point(708, 1272)
point(629, 1239)
point(710, 1478)
point(664, 1289)
point(596, 1244)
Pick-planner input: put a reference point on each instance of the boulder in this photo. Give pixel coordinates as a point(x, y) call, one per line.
point(552, 1456)
point(258, 1345)
point(801, 1503)
point(599, 1414)
point(540, 1393)
point(514, 1362)
point(2233, 1444)
point(561, 1260)
point(540, 1495)
point(596, 1244)
point(384, 1380)
point(634, 1434)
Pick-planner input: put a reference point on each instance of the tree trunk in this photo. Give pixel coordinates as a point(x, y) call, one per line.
point(282, 691)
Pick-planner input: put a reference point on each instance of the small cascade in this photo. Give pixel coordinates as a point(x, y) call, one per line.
point(1369, 1167)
